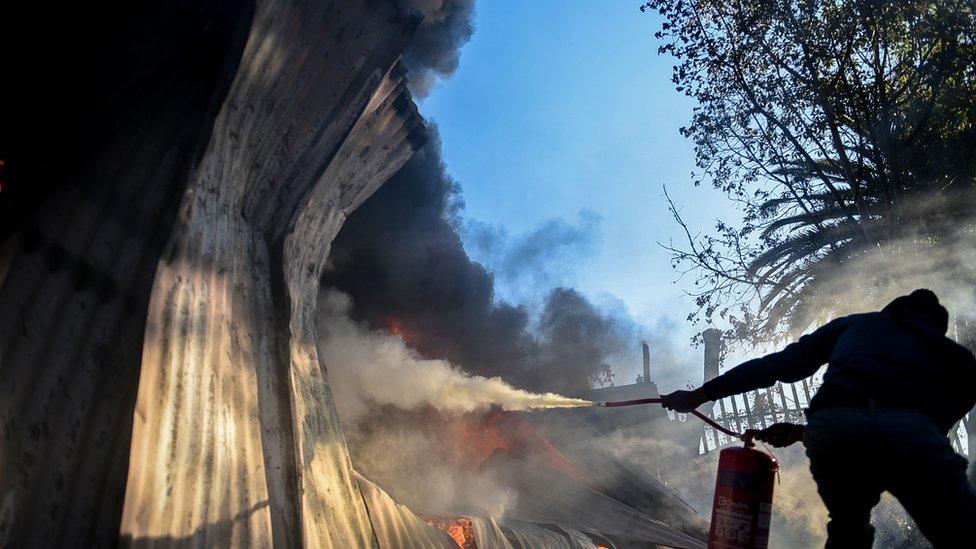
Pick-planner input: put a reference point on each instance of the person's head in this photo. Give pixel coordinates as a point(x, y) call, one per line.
point(921, 306)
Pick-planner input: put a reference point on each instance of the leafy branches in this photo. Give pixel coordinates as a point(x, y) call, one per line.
point(834, 125)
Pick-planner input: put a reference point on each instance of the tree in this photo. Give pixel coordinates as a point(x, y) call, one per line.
point(845, 131)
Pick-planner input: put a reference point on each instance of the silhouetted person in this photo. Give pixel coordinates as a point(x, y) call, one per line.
point(894, 386)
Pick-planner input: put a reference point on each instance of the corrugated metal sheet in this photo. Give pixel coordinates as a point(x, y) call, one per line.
point(236, 439)
point(75, 289)
point(396, 526)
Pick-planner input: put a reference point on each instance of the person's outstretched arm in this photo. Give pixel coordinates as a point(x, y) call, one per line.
point(778, 435)
point(795, 362)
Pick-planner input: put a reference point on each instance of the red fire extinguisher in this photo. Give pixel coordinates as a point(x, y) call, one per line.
point(743, 499)
point(743, 503)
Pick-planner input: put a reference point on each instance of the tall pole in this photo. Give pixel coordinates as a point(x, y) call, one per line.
point(712, 339)
point(647, 361)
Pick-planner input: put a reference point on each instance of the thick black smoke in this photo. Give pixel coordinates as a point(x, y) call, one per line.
point(577, 337)
point(434, 50)
point(401, 259)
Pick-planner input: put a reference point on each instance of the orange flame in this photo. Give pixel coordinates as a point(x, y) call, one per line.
point(478, 438)
point(396, 327)
point(460, 529)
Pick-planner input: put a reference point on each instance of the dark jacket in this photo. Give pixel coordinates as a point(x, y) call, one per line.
point(898, 363)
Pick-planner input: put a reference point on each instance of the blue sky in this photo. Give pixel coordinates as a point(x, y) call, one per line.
point(563, 112)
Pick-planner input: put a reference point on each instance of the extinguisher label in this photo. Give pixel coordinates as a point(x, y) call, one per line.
point(732, 527)
point(765, 514)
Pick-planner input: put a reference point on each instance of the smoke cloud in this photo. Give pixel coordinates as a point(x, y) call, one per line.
point(434, 50)
point(401, 259)
point(527, 264)
point(412, 336)
point(932, 248)
point(415, 457)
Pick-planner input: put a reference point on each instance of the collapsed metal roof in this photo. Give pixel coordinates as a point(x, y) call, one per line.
point(600, 501)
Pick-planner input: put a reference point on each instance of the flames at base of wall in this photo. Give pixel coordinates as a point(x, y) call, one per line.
point(461, 529)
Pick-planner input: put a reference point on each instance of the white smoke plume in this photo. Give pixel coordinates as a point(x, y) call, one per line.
point(399, 413)
point(371, 367)
point(410, 455)
point(931, 249)
point(799, 516)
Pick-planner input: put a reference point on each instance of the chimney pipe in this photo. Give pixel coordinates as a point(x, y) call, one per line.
point(713, 352)
point(647, 362)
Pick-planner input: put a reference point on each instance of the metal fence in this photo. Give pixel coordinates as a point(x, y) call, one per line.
point(783, 402)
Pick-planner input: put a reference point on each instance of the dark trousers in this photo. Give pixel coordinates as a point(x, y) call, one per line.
point(856, 454)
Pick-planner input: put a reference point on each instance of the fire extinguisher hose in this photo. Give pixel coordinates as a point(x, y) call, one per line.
point(711, 422)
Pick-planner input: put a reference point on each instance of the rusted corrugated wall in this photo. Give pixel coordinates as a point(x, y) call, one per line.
point(236, 438)
point(101, 139)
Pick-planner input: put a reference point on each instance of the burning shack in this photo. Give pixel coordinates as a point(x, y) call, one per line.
point(564, 478)
point(566, 489)
point(159, 289)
